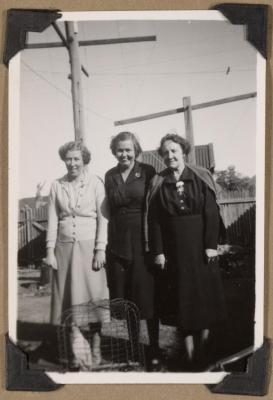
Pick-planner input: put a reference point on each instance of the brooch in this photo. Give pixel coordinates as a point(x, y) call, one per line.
point(180, 187)
point(137, 175)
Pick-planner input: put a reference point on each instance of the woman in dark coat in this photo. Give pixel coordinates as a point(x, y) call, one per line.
point(183, 234)
point(129, 275)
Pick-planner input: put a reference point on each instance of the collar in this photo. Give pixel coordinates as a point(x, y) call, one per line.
point(187, 175)
point(135, 173)
point(82, 179)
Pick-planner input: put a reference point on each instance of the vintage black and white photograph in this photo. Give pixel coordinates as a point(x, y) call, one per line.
point(136, 197)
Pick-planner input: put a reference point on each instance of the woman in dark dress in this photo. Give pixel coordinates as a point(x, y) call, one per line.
point(183, 234)
point(129, 275)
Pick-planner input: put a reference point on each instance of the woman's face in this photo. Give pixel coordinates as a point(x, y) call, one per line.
point(74, 163)
point(172, 155)
point(125, 153)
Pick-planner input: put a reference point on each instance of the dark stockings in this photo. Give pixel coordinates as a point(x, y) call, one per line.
point(153, 332)
point(195, 342)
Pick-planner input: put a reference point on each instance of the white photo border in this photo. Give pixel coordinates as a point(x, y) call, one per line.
point(14, 148)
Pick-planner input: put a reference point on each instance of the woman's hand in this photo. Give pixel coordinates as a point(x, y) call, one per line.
point(211, 254)
point(51, 259)
point(160, 261)
point(98, 260)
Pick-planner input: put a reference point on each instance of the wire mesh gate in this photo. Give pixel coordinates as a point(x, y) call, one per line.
point(101, 336)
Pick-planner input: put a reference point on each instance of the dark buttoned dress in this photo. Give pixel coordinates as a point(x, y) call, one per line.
point(128, 268)
point(184, 221)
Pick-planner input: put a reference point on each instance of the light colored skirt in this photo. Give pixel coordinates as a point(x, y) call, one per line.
point(75, 283)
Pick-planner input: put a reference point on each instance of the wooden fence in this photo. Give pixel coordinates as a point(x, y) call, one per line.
point(32, 224)
point(237, 209)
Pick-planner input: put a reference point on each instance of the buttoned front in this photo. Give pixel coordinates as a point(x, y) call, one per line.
point(129, 275)
point(183, 222)
point(77, 211)
point(126, 199)
point(77, 226)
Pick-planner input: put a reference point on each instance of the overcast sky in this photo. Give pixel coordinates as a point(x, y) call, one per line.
point(189, 58)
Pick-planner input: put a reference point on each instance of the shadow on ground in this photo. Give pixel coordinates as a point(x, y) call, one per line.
point(39, 339)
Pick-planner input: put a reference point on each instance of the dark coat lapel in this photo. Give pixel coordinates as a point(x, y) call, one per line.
point(187, 174)
point(135, 173)
point(116, 176)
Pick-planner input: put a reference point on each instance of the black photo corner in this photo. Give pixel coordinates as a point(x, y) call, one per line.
point(254, 379)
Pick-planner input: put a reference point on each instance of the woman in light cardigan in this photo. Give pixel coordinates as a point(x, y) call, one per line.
point(76, 236)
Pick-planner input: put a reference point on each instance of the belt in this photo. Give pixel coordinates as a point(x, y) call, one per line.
point(124, 211)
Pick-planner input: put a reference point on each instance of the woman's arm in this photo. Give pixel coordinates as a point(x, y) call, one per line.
point(212, 219)
point(102, 209)
point(155, 235)
point(52, 228)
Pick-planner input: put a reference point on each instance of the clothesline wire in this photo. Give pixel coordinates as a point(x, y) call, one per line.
point(68, 96)
point(155, 73)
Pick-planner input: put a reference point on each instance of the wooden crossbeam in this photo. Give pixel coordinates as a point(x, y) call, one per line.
point(224, 101)
point(182, 109)
point(149, 116)
point(133, 39)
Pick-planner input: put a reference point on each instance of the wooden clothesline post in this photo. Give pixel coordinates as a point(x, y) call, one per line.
point(187, 110)
point(76, 82)
point(72, 44)
point(189, 128)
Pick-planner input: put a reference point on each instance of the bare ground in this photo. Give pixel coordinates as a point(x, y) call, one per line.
point(37, 337)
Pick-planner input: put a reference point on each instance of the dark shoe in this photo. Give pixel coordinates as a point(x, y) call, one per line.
point(153, 356)
point(73, 366)
point(199, 363)
point(155, 365)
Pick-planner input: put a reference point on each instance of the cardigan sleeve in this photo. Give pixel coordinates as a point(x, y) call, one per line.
point(102, 209)
point(212, 219)
point(52, 218)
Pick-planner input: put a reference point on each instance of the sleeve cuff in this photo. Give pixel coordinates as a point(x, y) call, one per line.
point(50, 244)
point(100, 246)
point(212, 246)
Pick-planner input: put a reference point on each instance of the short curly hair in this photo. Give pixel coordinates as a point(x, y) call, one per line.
point(125, 136)
point(72, 146)
point(184, 144)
